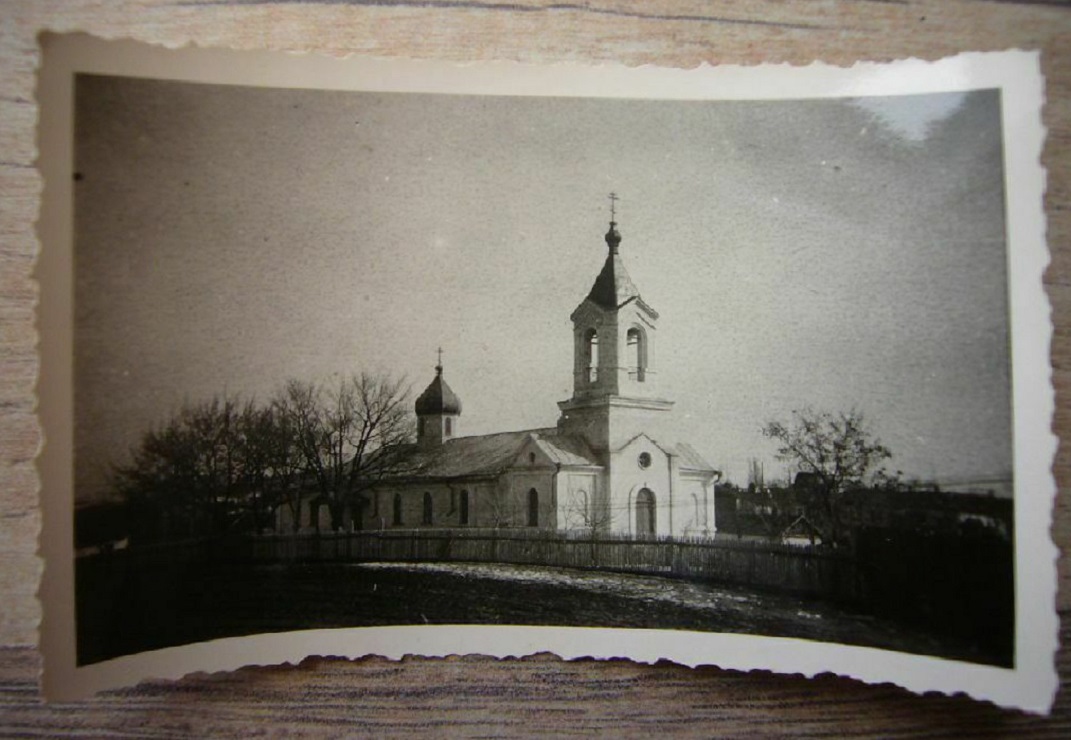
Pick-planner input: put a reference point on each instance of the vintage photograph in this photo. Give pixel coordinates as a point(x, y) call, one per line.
point(350, 359)
point(366, 358)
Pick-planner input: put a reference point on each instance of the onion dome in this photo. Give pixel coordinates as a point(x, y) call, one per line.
point(438, 398)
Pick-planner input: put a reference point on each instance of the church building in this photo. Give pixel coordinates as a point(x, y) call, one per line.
point(611, 464)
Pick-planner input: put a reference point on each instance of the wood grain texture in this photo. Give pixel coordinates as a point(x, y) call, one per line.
point(478, 696)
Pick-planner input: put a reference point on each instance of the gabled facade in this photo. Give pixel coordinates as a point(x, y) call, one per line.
point(607, 466)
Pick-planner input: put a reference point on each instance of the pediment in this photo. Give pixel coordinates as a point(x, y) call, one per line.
point(640, 442)
point(531, 455)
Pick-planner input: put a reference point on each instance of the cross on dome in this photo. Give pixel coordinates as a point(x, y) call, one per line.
point(613, 238)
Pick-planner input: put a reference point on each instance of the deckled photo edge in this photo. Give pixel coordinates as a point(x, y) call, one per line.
point(1031, 685)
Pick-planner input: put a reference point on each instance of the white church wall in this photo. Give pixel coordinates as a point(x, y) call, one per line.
point(626, 422)
point(696, 506)
point(636, 467)
point(517, 510)
point(441, 508)
point(482, 496)
point(579, 503)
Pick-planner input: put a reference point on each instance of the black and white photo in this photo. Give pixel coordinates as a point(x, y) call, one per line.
point(700, 366)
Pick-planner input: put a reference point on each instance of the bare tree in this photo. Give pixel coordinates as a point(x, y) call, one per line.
point(584, 512)
point(281, 465)
point(272, 463)
point(223, 465)
point(159, 482)
point(192, 471)
point(216, 426)
point(349, 436)
point(498, 508)
point(835, 451)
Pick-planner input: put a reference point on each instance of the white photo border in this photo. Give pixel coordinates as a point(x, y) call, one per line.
point(1031, 685)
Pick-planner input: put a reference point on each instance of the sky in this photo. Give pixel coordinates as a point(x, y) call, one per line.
point(832, 254)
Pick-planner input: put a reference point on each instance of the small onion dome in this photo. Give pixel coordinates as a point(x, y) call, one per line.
point(613, 237)
point(437, 398)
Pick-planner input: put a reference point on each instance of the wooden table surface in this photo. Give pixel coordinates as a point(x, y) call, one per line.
point(472, 695)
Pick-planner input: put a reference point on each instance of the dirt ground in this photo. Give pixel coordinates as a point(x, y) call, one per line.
point(121, 611)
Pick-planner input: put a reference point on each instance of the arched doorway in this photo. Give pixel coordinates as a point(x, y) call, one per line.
point(645, 512)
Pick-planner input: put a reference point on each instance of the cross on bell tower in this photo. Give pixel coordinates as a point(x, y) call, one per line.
point(613, 239)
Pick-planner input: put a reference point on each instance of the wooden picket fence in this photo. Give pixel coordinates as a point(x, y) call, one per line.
point(763, 565)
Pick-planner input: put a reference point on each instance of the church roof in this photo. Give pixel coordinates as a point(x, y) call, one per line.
point(613, 287)
point(438, 398)
point(565, 449)
point(692, 460)
point(491, 454)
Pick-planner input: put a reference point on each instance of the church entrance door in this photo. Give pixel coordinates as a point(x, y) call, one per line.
point(645, 512)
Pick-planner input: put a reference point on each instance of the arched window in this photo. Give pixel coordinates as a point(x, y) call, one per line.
point(591, 354)
point(463, 516)
point(427, 509)
point(533, 508)
point(636, 341)
point(645, 512)
point(397, 510)
point(449, 426)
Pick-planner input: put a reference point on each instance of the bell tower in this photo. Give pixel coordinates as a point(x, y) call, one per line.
point(615, 392)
